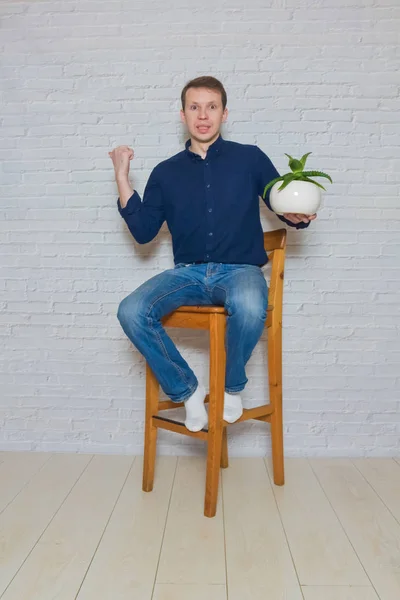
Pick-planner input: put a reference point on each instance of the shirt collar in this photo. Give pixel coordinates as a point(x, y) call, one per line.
point(213, 150)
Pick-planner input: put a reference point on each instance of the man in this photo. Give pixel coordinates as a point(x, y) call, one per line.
point(209, 196)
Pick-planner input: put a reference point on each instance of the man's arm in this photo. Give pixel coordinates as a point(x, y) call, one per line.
point(125, 189)
point(144, 218)
point(266, 172)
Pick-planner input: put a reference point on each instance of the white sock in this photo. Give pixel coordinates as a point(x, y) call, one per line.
point(233, 408)
point(196, 414)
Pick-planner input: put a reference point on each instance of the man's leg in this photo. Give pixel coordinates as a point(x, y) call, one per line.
point(244, 292)
point(140, 316)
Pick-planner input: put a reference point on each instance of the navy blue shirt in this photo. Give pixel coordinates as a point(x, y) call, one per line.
point(211, 205)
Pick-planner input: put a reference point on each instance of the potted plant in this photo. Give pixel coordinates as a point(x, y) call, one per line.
point(298, 193)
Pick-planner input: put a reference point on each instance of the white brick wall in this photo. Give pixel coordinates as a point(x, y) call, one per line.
point(80, 77)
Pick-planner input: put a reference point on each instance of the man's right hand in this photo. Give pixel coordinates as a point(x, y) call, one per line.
point(121, 157)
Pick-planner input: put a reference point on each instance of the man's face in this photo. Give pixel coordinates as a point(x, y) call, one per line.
point(203, 114)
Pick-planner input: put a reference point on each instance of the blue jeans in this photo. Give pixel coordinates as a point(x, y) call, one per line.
point(243, 291)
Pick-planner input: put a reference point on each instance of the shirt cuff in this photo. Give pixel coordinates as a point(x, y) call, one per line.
point(131, 206)
point(300, 225)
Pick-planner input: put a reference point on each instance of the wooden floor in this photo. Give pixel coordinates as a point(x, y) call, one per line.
point(79, 527)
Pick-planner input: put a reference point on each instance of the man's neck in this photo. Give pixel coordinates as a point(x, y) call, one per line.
point(201, 148)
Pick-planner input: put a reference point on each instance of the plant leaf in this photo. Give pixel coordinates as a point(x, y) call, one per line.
point(286, 180)
point(314, 182)
point(294, 164)
point(317, 174)
point(304, 158)
point(270, 184)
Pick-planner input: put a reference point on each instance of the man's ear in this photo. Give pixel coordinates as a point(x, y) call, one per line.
point(225, 115)
point(182, 114)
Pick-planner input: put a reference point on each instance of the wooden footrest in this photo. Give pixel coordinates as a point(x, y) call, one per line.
point(260, 412)
point(171, 425)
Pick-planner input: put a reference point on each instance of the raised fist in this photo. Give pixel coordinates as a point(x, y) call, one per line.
point(121, 156)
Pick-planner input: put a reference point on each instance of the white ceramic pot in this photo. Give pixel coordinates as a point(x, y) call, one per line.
point(297, 197)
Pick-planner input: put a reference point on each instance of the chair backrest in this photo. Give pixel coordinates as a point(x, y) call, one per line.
point(275, 246)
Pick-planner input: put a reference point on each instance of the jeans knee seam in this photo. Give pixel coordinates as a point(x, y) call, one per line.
point(167, 356)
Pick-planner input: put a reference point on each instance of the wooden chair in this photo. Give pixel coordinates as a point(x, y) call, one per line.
point(213, 318)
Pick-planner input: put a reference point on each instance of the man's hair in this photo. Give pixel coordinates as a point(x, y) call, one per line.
point(208, 82)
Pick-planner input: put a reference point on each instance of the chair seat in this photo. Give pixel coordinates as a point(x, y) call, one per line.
point(207, 309)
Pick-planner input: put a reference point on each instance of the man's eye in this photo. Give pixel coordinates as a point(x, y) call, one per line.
point(193, 107)
point(213, 106)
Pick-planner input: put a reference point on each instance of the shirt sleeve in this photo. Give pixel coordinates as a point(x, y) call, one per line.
point(144, 218)
point(266, 172)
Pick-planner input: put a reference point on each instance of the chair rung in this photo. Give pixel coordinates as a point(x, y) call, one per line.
point(255, 413)
point(265, 419)
point(171, 425)
point(168, 404)
point(261, 413)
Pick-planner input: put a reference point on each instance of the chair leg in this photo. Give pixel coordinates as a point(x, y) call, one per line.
point(275, 394)
point(224, 451)
point(216, 409)
point(150, 435)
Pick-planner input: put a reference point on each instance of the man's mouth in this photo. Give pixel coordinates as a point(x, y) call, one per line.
point(203, 128)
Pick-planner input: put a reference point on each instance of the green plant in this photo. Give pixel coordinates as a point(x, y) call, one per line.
point(298, 173)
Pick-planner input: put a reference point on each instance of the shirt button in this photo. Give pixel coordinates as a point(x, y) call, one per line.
point(208, 185)
point(210, 210)
point(210, 233)
point(206, 164)
point(207, 256)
